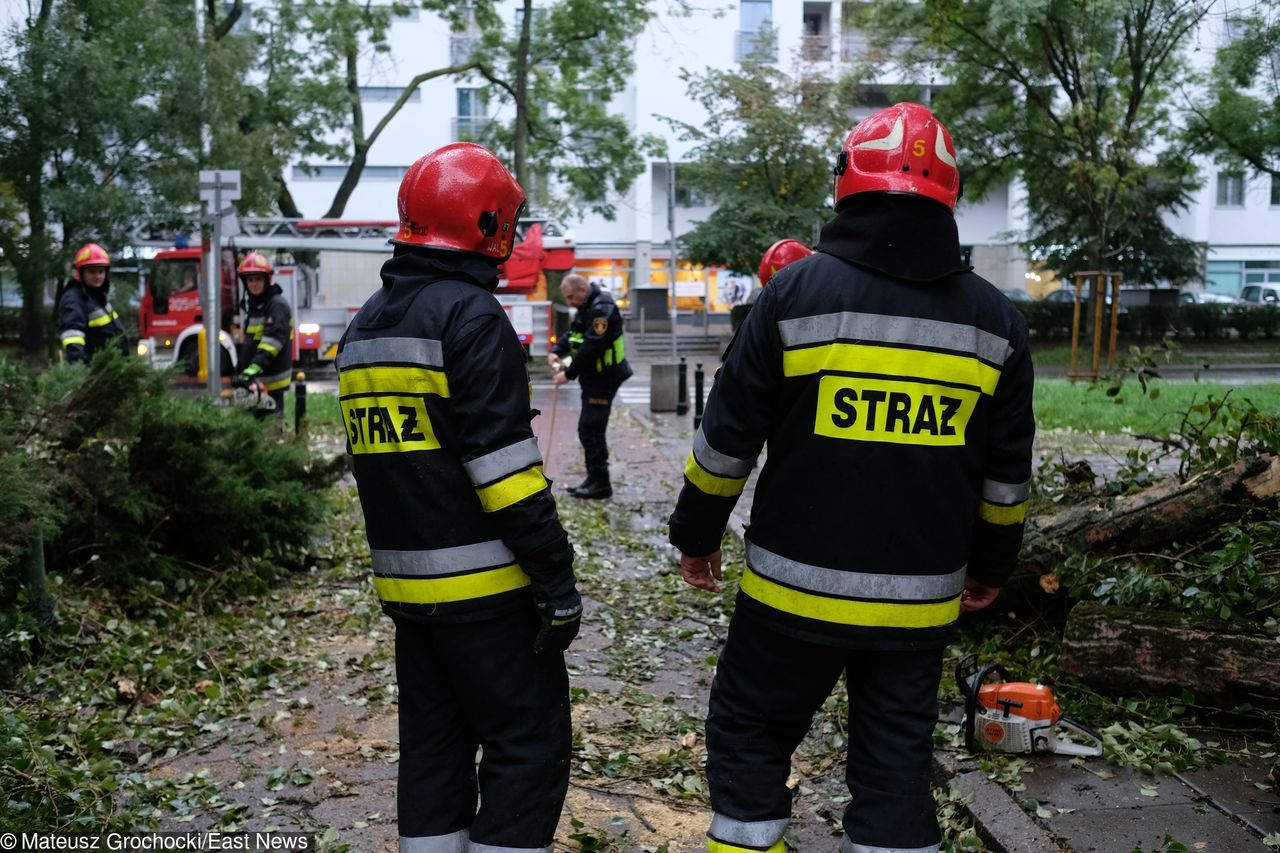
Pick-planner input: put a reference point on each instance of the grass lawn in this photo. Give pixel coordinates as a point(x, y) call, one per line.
point(1080, 406)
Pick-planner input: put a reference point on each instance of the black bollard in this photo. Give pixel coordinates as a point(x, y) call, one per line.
point(697, 396)
point(682, 394)
point(299, 406)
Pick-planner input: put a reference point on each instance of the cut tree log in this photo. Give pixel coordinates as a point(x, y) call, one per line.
point(1122, 651)
point(1149, 520)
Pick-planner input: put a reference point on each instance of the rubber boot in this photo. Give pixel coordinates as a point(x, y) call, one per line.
point(596, 487)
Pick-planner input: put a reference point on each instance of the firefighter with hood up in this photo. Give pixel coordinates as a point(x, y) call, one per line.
point(469, 558)
point(268, 333)
point(894, 386)
point(86, 321)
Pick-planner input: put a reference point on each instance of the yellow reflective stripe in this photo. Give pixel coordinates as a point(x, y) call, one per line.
point(393, 380)
point(272, 348)
point(513, 489)
point(277, 384)
point(254, 329)
point(69, 340)
point(996, 514)
point(457, 588)
point(714, 846)
point(102, 319)
point(725, 487)
point(891, 361)
point(871, 614)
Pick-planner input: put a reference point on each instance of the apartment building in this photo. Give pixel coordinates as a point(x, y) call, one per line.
point(1235, 216)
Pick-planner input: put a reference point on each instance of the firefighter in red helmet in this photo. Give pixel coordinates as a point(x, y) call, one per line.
point(469, 558)
point(86, 321)
point(778, 256)
point(267, 349)
point(894, 386)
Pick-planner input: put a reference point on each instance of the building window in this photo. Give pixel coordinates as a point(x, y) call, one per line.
point(387, 94)
point(686, 194)
point(539, 18)
point(816, 46)
point(473, 114)
point(1275, 190)
point(755, 32)
point(1230, 189)
point(304, 172)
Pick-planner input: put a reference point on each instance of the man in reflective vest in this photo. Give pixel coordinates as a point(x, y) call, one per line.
point(469, 558)
point(86, 321)
point(894, 386)
point(595, 354)
point(268, 333)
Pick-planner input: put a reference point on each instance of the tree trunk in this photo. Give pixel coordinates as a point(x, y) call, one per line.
point(1169, 511)
point(520, 132)
point(1120, 651)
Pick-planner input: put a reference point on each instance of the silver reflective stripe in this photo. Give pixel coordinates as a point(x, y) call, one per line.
point(442, 561)
point(755, 833)
point(720, 464)
point(275, 342)
point(887, 329)
point(277, 377)
point(1005, 493)
point(71, 333)
point(454, 842)
point(854, 584)
point(420, 351)
point(498, 464)
point(473, 847)
point(847, 846)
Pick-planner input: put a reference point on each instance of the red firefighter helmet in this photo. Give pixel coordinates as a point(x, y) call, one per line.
point(255, 262)
point(460, 197)
point(779, 255)
point(92, 255)
point(900, 149)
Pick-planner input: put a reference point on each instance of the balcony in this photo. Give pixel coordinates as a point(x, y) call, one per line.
point(469, 128)
point(746, 42)
point(461, 46)
point(816, 48)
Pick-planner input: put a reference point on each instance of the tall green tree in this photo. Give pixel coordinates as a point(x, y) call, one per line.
point(1240, 121)
point(763, 155)
point(1073, 97)
point(553, 71)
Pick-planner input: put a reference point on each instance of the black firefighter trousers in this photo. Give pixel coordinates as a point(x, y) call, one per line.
point(597, 403)
point(767, 687)
point(479, 684)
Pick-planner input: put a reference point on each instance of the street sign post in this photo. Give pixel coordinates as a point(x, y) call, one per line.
point(218, 187)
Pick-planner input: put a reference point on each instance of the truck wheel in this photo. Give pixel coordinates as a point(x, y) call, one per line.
point(189, 357)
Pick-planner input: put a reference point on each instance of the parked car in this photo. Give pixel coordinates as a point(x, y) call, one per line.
point(1206, 297)
point(1016, 295)
point(1260, 294)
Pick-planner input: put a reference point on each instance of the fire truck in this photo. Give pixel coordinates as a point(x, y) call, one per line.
point(333, 269)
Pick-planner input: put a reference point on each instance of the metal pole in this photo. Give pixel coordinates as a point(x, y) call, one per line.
point(300, 407)
point(682, 394)
point(212, 322)
point(671, 229)
point(698, 396)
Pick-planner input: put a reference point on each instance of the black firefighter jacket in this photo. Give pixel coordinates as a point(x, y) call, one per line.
point(268, 338)
point(86, 321)
point(435, 396)
point(596, 342)
point(893, 387)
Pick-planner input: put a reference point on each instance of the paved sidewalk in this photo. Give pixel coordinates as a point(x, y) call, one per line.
point(1090, 807)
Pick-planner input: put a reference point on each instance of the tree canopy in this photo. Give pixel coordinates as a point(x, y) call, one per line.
point(763, 156)
point(1074, 99)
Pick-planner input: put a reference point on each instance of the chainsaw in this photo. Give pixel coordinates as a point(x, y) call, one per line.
point(1017, 716)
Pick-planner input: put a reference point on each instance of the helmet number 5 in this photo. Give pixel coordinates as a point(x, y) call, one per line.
point(918, 148)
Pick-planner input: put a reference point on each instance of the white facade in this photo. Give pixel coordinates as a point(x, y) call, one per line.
point(1238, 220)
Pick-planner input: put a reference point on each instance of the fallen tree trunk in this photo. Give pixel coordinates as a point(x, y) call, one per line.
point(1149, 520)
point(1122, 651)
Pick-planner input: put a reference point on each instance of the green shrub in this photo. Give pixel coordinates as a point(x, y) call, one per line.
point(133, 484)
point(1150, 322)
point(1209, 321)
point(1048, 321)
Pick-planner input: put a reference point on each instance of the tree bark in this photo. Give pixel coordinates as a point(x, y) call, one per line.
point(520, 132)
point(1169, 511)
point(1120, 651)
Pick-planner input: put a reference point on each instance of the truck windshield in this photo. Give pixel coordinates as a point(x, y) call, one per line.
point(173, 277)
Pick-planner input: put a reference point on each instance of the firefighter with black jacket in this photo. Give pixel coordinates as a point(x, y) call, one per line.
point(594, 353)
point(86, 321)
point(894, 387)
point(268, 333)
point(469, 558)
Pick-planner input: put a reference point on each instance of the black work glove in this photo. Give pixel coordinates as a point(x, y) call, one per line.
point(561, 620)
